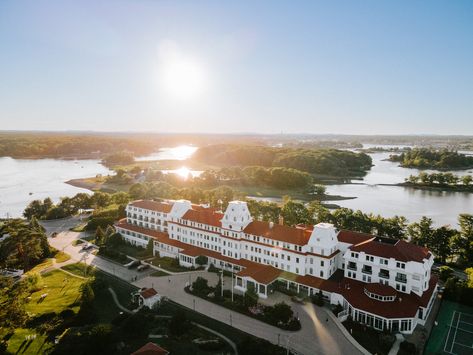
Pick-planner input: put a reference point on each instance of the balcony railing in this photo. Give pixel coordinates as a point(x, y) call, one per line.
point(351, 267)
point(401, 279)
point(383, 275)
point(367, 271)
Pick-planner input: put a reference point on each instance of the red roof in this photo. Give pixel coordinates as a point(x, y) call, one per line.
point(164, 207)
point(264, 274)
point(150, 232)
point(380, 289)
point(148, 292)
point(350, 237)
point(193, 251)
point(299, 236)
point(205, 216)
point(150, 349)
point(392, 248)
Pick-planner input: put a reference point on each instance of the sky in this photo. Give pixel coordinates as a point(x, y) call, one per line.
point(344, 67)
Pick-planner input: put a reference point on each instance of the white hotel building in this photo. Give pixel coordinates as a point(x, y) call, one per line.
point(382, 282)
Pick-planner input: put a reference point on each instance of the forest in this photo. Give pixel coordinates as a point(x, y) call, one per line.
point(62, 145)
point(328, 162)
point(426, 158)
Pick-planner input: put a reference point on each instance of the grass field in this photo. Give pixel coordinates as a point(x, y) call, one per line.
point(167, 263)
point(62, 292)
point(18, 343)
point(79, 269)
point(454, 332)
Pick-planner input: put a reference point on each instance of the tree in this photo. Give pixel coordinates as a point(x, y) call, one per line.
point(466, 231)
point(467, 180)
point(250, 299)
point(421, 233)
point(445, 272)
point(150, 247)
point(318, 298)
point(469, 273)
point(441, 241)
point(201, 260)
point(87, 294)
point(201, 286)
point(179, 324)
point(100, 236)
point(279, 313)
point(294, 213)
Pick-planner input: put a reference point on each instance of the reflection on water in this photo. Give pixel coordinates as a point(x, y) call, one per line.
point(183, 172)
point(181, 152)
point(24, 180)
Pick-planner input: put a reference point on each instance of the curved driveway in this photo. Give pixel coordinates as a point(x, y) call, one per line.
point(317, 336)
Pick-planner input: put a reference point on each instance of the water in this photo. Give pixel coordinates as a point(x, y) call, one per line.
point(442, 207)
point(181, 152)
point(42, 178)
point(46, 178)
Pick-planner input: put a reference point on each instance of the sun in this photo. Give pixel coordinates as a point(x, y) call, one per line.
point(181, 76)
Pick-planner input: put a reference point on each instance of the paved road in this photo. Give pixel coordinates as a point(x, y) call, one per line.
point(317, 336)
point(64, 241)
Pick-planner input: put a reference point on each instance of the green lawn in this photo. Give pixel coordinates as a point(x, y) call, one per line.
point(41, 266)
point(61, 257)
point(62, 292)
point(105, 308)
point(79, 269)
point(18, 344)
point(438, 336)
point(167, 263)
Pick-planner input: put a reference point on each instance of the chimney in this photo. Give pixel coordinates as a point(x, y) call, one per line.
point(271, 225)
point(281, 220)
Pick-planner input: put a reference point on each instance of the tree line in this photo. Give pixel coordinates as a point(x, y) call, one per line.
point(440, 179)
point(425, 158)
point(330, 162)
point(57, 145)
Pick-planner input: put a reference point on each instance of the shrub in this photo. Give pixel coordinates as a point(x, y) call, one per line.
point(201, 260)
point(407, 348)
point(179, 324)
point(318, 298)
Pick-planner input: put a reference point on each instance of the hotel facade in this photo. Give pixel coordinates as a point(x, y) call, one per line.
point(382, 282)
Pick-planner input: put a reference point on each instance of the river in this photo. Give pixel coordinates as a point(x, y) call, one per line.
point(371, 196)
point(23, 180)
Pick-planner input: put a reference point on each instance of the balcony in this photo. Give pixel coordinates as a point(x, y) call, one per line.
point(401, 279)
point(384, 275)
point(351, 266)
point(367, 271)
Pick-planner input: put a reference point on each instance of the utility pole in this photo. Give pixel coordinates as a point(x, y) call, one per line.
point(232, 285)
point(221, 283)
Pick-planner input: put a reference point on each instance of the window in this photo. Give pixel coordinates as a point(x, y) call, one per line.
point(321, 263)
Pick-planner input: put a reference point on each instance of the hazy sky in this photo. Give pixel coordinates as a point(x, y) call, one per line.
point(356, 66)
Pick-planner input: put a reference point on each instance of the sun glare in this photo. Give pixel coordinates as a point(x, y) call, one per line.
point(183, 172)
point(180, 75)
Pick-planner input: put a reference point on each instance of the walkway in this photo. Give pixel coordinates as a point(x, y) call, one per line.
point(317, 336)
point(117, 302)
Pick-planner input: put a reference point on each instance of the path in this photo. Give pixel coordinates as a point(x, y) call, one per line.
point(317, 336)
point(117, 302)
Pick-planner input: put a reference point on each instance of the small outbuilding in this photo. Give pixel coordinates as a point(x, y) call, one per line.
point(148, 297)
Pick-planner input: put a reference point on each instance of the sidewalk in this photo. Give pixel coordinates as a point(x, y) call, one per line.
point(316, 336)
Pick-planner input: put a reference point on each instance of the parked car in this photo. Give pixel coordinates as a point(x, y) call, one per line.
point(143, 267)
point(87, 246)
point(132, 264)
